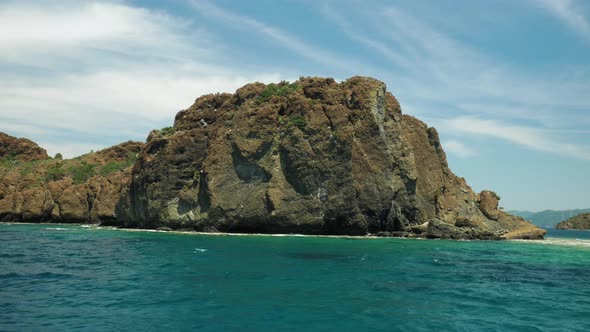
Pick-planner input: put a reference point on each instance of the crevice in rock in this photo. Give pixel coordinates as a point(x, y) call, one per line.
point(90, 201)
point(396, 219)
point(203, 196)
point(329, 119)
point(56, 202)
point(270, 207)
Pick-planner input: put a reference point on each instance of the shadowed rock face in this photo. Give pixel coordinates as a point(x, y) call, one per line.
point(313, 157)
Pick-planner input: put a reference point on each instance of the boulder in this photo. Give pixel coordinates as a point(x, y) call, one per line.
point(488, 204)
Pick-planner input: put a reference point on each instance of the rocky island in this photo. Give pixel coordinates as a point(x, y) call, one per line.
point(310, 157)
point(581, 221)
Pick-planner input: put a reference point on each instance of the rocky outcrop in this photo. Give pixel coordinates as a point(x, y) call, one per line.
point(313, 157)
point(488, 203)
point(20, 149)
point(80, 190)
point(581, 221)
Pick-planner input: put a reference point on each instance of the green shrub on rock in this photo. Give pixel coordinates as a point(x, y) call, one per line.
point(167, 131)
point(83, 172)
point(284, 88)
point(55, 173)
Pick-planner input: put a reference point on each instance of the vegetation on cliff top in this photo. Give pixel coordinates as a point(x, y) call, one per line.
point(283, 88)
point(79, 169)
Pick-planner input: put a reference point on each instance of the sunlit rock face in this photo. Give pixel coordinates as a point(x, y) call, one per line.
point(312, 157)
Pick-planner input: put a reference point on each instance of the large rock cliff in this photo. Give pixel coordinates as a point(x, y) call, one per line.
point(313, 157)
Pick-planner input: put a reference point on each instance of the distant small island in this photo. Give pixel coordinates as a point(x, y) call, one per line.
point(310, 157)
point(548, 218)
point(581, 221)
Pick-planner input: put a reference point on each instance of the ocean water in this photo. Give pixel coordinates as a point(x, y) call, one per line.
point(56, 277)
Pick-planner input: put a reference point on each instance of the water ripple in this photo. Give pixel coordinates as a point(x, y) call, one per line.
point(88, 278)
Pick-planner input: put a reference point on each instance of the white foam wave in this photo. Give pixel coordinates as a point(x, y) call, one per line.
point(56, 229)
point(561, 242)
point(200, 250)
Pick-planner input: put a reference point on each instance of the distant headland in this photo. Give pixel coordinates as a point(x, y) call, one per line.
point(581, 221)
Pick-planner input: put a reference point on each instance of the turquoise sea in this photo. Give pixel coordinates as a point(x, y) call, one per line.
point(57, 277)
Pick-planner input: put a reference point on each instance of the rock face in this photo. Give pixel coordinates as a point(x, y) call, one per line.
point(81, 190)
point(488, 204)
point(20, 149)
point(581, 221)
point(313, 157)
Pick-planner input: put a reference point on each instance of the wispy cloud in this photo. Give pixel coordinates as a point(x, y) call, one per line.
point(281, 37)
point(531, 138)
point(352, 32)
point(93, 33)
point(458, 148)
point(569, 13)
point(439, 77)
point(448, 70)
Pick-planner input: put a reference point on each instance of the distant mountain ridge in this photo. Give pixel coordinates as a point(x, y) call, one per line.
point(548, 218)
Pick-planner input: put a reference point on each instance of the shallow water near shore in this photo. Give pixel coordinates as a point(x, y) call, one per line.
point(62, 277)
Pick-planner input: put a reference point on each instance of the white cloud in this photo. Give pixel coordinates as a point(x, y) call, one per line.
point(569, 13)
point(72, 149)
point(77, 75)
point(458, 148)
point(531, 138)
point(91, 33)
point(56, 25)
point(152, 93)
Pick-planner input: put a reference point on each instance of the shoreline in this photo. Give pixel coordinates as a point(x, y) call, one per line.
point(147, 230)
point(188, 232)
point(561, 241)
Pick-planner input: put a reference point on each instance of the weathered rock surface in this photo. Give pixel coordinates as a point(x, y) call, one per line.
point(80, 190)
point(581, 221)
point(313, 157)
point(488, 204)
point(20, 149)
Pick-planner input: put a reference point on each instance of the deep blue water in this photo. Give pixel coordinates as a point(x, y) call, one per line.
point(56, 277)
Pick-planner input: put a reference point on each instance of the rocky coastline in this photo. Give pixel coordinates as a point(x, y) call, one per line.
point(311, 157)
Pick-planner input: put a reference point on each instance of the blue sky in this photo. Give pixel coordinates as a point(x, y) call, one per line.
point(506, 83)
